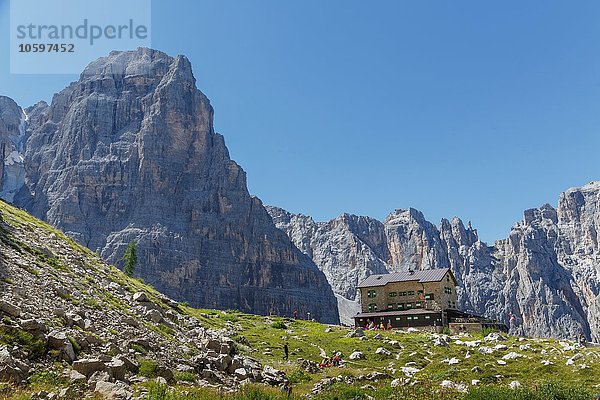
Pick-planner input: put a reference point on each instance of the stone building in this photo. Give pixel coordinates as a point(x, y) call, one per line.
point(421, 299)
point(408, 299)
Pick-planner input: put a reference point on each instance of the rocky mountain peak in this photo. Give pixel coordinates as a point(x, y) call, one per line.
point(119, 65)
point(129, 153)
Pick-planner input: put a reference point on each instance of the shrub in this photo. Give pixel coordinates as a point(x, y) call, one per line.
point(278, 325)
point(299, 376)
point(148, 368)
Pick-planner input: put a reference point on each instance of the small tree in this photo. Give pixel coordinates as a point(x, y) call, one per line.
point(130, 258)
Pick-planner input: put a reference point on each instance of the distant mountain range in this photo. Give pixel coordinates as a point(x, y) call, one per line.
point(546, 273)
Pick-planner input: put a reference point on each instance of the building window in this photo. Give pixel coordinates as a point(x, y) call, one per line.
point(448, 290)
point(391, 306)
point(397, 318)
point(415, 317)
point(393, 294)
point(408, 305)
point(371, 294)
point(411, 292)
point(427, 317)
point(400, 306)
point(372, 307)
point(402, 293)
point(409, 318)
point(418, 304)
point(429, 296)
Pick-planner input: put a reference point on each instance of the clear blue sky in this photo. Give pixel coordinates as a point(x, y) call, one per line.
point(467, 108)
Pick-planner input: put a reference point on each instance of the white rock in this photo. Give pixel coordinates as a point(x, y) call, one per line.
point(494, 337)
point(514, 385)
point(383, 351)
point(511, 356)
point(501, 362)
point(409, 371)
point(451, 361)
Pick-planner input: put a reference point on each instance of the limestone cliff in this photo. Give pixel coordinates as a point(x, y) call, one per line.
point(12, 135)
point(129, 153)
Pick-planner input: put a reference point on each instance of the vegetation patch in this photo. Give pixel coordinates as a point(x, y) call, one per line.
point(12, 336)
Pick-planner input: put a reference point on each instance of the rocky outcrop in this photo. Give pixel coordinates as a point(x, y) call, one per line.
point(12, 136)
point(63, 308)
point(545, 273)
point(129, 153)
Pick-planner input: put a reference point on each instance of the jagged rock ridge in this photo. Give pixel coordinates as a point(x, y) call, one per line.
point(129, 153)
point(546, 273)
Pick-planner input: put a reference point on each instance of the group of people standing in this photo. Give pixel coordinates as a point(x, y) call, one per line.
point(371, 325)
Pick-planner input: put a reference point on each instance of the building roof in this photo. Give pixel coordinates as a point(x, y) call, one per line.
point(422, 276)
point(416, 311)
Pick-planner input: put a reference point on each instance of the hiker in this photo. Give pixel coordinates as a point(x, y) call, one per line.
point(382, 327)
point(326, 362)
point(389, 325)
point(336, 360)
point(286, 352)
point(295, 314)
point(286, 387)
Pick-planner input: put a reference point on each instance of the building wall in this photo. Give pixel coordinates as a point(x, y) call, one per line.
point(382, 299)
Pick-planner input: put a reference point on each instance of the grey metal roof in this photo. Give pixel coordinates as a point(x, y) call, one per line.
point(425, 275)
point(416, 311)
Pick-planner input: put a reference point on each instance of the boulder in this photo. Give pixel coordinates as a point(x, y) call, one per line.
point(113, 391)
point(59, 341)
point(514, 385)
point(383, 351)
point(273, 376)
point(494, 337)
point(154, 316)
point(75, 376)
point(117, 369)
point(34, 326)
point(12, 369)
point(131, 365)
point(357, 355)
point(10, 309)
point(240, 374)
point(221, 362)
point(358, 332)
point(87, 366)
point(140, 297)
